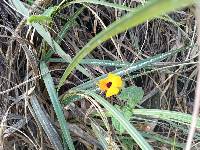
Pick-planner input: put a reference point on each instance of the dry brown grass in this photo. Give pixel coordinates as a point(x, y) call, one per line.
point(171, 88)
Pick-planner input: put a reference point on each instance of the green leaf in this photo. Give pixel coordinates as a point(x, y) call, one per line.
point(117, 125)
point(44, 18)
point(56, 104)
point(30, 2)
point(71, 21)
point(97, 2)
point(127, 112)
point(48, 12)
point(95, 62)
point(122, 120)
point(132, 95)
point(150, 10)
point(68, 25)
point(128, 143)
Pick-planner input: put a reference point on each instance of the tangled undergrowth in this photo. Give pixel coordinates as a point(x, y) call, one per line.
point(55, 54)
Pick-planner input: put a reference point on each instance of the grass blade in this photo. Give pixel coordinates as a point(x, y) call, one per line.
point(150, 10)
point(95, 62)
point(167, 115)
point(100, 136)
point(46, 124)
point(97, 2)
point(124, 122)
point(69, 24)
point(163, 139)
point(20, 8)
point(56, 104)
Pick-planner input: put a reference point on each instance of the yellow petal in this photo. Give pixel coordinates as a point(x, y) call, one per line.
point(116, 80)
point(110, 75)
point(112, 91)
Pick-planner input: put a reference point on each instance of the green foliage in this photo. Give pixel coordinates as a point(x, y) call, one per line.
point(68, 25)
point(20, 7)
point(48, 12)
point(30, 2)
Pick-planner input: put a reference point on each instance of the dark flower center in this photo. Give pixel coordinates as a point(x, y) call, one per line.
point(109, 84)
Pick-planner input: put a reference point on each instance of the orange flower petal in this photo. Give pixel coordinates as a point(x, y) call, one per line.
point(103, 84)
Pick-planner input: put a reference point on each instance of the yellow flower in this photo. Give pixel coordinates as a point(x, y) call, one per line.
point(111, 84)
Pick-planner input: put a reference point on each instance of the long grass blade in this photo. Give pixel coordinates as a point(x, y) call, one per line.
point(46, 124)
point(167, 115)
point(97, 2)
point(20, 7)
point(56, 104)
point(95, 62)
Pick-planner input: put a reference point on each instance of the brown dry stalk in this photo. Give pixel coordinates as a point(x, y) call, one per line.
point(196, 106)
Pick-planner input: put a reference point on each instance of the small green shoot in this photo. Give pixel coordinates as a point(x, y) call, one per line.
point(39, 19)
